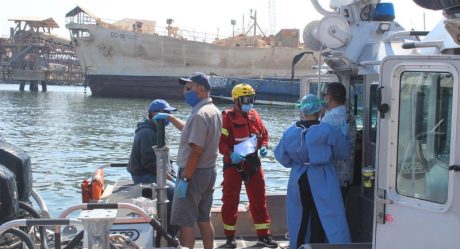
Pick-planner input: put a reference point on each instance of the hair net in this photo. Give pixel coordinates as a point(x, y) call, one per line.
point(310, 104)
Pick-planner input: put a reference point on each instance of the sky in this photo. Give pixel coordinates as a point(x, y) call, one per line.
point(209, 16)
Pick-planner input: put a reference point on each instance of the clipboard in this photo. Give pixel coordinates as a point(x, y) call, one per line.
point(247, 146)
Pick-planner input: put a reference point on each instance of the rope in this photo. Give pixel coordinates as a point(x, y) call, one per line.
point(119, 241)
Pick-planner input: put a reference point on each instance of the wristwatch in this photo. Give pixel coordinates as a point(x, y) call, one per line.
point(185, 179)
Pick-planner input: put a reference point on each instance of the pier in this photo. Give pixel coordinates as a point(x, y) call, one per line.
point(32, 55)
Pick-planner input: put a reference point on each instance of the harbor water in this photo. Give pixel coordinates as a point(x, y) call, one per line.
point(68, 134)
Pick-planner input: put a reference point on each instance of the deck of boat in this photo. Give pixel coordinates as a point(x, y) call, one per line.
point(283, 243)
point(125, 191)
point(244, 242)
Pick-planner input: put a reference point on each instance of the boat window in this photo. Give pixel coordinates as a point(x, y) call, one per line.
point(425, 117)
point(373, 113)
point(313, 88)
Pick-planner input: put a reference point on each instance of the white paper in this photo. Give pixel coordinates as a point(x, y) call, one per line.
point(248, 146)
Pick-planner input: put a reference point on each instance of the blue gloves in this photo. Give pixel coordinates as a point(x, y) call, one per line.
point(237, 158)
point(263, 151)
point(181, 189)
point(161, 115)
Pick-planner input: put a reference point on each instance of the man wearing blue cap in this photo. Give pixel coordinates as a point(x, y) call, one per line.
point(142, 161)
point(314, 205)
point(196, 160)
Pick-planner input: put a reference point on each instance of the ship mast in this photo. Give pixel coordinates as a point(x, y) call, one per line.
point(255, 25)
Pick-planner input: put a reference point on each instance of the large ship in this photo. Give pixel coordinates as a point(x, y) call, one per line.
point(136, 58)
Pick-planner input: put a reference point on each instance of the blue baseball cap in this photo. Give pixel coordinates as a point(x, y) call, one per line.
point(198, 78)
point(160, 105)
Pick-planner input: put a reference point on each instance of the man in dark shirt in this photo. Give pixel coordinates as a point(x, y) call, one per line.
point(142, 161)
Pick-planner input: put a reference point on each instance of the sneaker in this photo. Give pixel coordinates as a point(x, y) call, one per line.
point(267, 241)
point(231, 242)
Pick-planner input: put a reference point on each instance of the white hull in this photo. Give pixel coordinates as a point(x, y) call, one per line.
point(113, 52)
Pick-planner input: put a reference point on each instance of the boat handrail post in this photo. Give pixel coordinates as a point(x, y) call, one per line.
point(162, 157)
point(97, 224)
point(41, 203)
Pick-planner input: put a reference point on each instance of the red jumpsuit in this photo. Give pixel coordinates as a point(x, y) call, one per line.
point(237, 127)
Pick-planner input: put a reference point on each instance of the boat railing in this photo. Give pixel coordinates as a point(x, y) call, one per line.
point(148, 27)
point(143, 217)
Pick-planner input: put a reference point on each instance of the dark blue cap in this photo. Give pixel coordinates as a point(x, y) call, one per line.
point(160, 105)
point(198, 78)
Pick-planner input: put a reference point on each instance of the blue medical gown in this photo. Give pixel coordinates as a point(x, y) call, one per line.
point(312, 150)
point(337, 117)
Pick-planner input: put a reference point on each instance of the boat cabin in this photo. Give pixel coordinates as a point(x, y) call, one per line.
point(403, 91)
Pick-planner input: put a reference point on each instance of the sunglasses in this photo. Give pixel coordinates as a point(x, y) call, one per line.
point(247, 99)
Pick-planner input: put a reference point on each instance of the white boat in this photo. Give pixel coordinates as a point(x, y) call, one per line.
point(136, 58)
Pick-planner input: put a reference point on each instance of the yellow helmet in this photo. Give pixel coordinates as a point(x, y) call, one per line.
point(241, 90)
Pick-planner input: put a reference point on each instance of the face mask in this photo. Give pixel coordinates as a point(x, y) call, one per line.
point(191, 98)
point(324, 103)
point(246, 108)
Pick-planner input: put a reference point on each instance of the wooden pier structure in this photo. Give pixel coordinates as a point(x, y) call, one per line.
point(33, 55)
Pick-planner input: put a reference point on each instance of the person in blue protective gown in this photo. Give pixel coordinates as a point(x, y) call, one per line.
point(314, 206)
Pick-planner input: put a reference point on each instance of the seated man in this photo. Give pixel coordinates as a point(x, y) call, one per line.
point(142, 161)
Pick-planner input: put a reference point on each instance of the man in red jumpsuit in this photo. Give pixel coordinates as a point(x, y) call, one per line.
point(238, 124)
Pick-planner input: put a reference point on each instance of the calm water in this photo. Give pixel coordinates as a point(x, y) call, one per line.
point(68, 134)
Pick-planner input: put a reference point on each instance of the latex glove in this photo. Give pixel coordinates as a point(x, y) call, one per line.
point(161, 115)
point(263, 151)
point(237, 158)
point(171, 177)
point(181, 189)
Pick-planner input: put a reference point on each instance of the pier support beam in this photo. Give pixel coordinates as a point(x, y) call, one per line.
point(22, 85)
point(33, 87)
point(44, 86)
